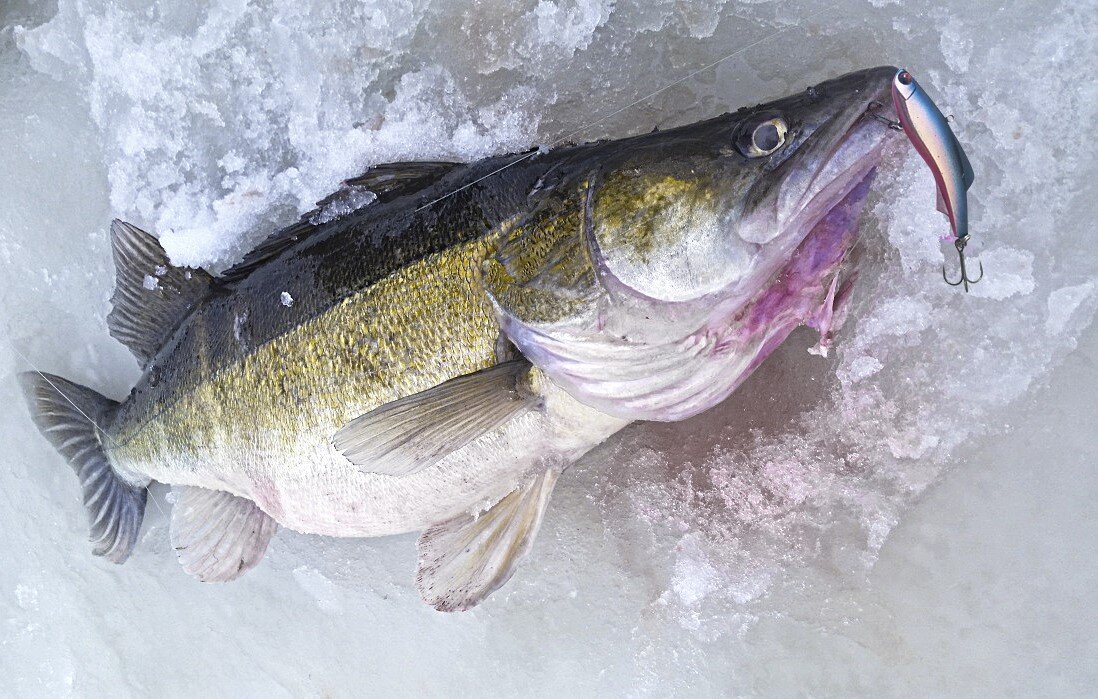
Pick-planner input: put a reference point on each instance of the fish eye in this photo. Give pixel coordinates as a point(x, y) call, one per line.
point(765, 138)
point(904, 77)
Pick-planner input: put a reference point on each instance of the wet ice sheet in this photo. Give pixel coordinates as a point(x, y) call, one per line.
point(787, 538)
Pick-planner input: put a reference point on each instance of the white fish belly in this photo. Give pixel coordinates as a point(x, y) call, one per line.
point(310, 487)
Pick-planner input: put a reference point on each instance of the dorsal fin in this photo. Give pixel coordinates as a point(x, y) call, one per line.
point(271, 247)
point(150, 296)
point(380, 183)
point(391, 180)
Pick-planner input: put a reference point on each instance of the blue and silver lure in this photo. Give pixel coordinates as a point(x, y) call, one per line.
point(929, 131)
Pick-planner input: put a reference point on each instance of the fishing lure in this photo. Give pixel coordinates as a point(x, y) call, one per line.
point(928, 129)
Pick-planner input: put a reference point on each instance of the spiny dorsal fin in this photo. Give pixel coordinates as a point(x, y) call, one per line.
point(217, 535)
point(412, 433)
point(270, 248)
point(379, 184)
point(150, 296)
point(391, 180)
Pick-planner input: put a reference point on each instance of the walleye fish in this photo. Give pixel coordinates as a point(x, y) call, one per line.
point(433, 361)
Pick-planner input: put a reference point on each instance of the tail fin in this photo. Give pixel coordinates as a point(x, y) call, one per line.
point(67, 414)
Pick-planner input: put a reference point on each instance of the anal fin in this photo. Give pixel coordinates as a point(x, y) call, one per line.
point(217, 535)
point(464, 560)
point(408, 435)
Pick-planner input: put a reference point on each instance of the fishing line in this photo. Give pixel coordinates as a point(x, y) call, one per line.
point(619, 110)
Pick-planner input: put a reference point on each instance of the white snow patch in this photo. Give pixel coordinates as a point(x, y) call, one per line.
point(321, 589)
point(286, 299)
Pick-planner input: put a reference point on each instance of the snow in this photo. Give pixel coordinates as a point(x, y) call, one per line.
point(352, 199)
point(908, 516)
point(286, 299)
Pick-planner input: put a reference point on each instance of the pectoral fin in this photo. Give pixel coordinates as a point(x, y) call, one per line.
point(464, 560)
point(217, 535)
point(408, 435)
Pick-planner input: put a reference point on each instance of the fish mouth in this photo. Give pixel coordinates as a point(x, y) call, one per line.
point(848, 161)
point(833, 168)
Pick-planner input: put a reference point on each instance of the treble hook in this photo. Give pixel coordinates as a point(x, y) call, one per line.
point(894, 125)
point(960, 245)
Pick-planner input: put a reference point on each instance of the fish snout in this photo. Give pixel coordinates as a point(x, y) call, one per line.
point(876, 93)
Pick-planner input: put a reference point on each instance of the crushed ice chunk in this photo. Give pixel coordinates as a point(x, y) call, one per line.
point(348, 201)
point(694, 576)
point(1062, 304)
point(911, 445)
point(894, 317)
point(150, 282)
point(240, 319)
point(956, 46)
point(1008, 272)
point(26, 596)
point(861, 367)
point(571, 29)
point(286, 299)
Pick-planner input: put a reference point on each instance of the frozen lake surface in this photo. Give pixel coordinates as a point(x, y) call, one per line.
point(912, 515)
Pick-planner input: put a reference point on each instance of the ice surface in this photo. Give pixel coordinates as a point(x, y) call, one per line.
point(786, 542)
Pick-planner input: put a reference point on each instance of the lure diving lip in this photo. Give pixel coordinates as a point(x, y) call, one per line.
point(929, 131)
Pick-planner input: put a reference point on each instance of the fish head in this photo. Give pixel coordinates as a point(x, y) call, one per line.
point(712, 210)
point(659, 270)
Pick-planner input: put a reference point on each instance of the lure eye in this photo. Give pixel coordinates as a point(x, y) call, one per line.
point(764, 139)
point(904, 77)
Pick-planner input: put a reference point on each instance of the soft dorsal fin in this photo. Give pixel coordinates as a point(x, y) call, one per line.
point(379, 184)
point(150, 296)
point(391, 180)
